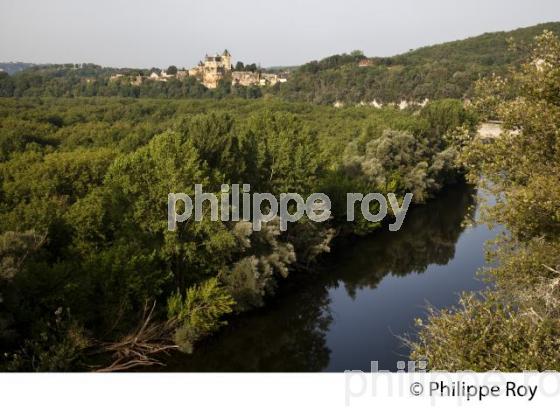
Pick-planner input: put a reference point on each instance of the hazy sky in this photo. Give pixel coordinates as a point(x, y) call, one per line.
point(147, 33)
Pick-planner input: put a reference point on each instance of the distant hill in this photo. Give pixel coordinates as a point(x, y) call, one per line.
point(446, 70)
point(12, 68)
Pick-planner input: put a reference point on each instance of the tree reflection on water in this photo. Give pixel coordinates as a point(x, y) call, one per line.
point(290, 332)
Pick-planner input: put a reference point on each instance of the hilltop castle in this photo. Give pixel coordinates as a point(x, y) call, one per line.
point(213, 69)
point(209, 72)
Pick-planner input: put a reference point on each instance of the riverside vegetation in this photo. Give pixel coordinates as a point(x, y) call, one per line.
point(91, 276)
point(515, 326)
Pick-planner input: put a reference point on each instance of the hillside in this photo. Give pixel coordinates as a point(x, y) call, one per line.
point(445, 70)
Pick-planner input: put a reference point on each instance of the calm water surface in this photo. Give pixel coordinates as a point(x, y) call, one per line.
point(366, 295)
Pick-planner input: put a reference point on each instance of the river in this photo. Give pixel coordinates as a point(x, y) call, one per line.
point(364, 296)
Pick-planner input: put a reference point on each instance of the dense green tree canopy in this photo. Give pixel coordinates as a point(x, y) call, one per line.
point(84, 244)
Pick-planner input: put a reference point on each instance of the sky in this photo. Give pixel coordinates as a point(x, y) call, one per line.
point(158, 33)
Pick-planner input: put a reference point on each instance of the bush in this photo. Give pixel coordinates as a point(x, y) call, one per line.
point(199, 313)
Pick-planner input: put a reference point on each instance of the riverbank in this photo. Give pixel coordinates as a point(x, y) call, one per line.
point(364, 295)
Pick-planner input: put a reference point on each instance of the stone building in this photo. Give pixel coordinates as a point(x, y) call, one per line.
point(270, 79)
point(366, 62)
point(212, 69)
point(245, 78)
point(248, 78)
point(162, 76)
point(182, 74)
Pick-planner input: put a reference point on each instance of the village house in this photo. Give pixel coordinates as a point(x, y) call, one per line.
point(248, 78)
point(182, 74)
point(244, 78)
point(366, 62)
point(163, 76)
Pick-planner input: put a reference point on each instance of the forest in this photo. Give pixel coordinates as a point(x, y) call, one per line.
point(91, 276)
point(448, 70)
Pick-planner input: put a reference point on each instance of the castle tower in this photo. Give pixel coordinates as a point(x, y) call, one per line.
point(226, 59)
